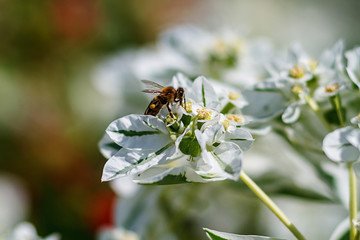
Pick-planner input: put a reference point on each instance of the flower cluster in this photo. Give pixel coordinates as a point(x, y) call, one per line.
point(199, 144)
point(25, 230)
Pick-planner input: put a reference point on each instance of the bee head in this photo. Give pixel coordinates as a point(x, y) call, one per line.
point(180, 93)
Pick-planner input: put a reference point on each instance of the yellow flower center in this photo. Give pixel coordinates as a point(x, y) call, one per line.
point(204, 114)
point(188, 107)
point(235, 117)
point(220, 47)
point(297, 72)
point(225, 123)
point(297, 89)
point(358, 116)
point(233, 96)
point(313, 64)
point(331, 88)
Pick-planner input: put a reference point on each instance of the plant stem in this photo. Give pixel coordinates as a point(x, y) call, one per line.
point(352, 201)
point(315, 107)
point(271, 205)
point(336, 102)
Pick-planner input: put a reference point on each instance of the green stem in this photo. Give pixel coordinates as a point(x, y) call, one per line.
point(315, 107)
point(336, 102)
point(271, 205)
point(352, 201)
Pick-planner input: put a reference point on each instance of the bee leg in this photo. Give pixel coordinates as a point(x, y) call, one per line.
point(168, 108)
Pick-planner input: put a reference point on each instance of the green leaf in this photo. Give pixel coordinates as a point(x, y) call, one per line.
point(216, 235)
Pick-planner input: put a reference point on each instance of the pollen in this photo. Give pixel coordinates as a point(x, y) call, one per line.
point(235, 117)
point(204, 114)
point(297, 72)
point(152, 106)
point(233, 96)
point(331, 88)
point(358, 116)
point(297, 89)
point(188, 107)
point(312, 64)
point(225, 123)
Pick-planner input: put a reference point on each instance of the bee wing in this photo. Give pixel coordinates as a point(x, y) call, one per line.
point(151, 91)
point(152, 85)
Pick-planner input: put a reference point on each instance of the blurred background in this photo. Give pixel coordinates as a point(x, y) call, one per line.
point(52, 116)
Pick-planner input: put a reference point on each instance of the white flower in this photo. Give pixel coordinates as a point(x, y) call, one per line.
point(353, 65)
point(356, 120)
point(200, 145)
point(222, 55)
point(342, 145)
point(26, 231)
point(330, 74)
point(117, 234)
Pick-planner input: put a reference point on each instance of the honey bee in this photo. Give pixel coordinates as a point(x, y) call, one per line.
point(166, 96)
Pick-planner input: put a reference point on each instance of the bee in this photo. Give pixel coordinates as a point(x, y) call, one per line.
point(166, 96)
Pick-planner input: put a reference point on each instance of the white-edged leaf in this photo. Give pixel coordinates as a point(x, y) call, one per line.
point(180, 80)
point(264, 105)
point(203, 92)
point(229, 157)
point(353, 77)
point(216, 235)
point(356, 120)
point(241, 137)
point(108, 147)
point(354, 138)
point(291, 113)
point(139, 132)
point(164, 175)
point(353, 65)
point(337, 147)
point(341, 230)
point(128, 161)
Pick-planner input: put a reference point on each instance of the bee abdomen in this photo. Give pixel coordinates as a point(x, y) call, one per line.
point(154, 106)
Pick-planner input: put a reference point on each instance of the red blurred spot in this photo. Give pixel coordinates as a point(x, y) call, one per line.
point(76, 19)
point(101, 210)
